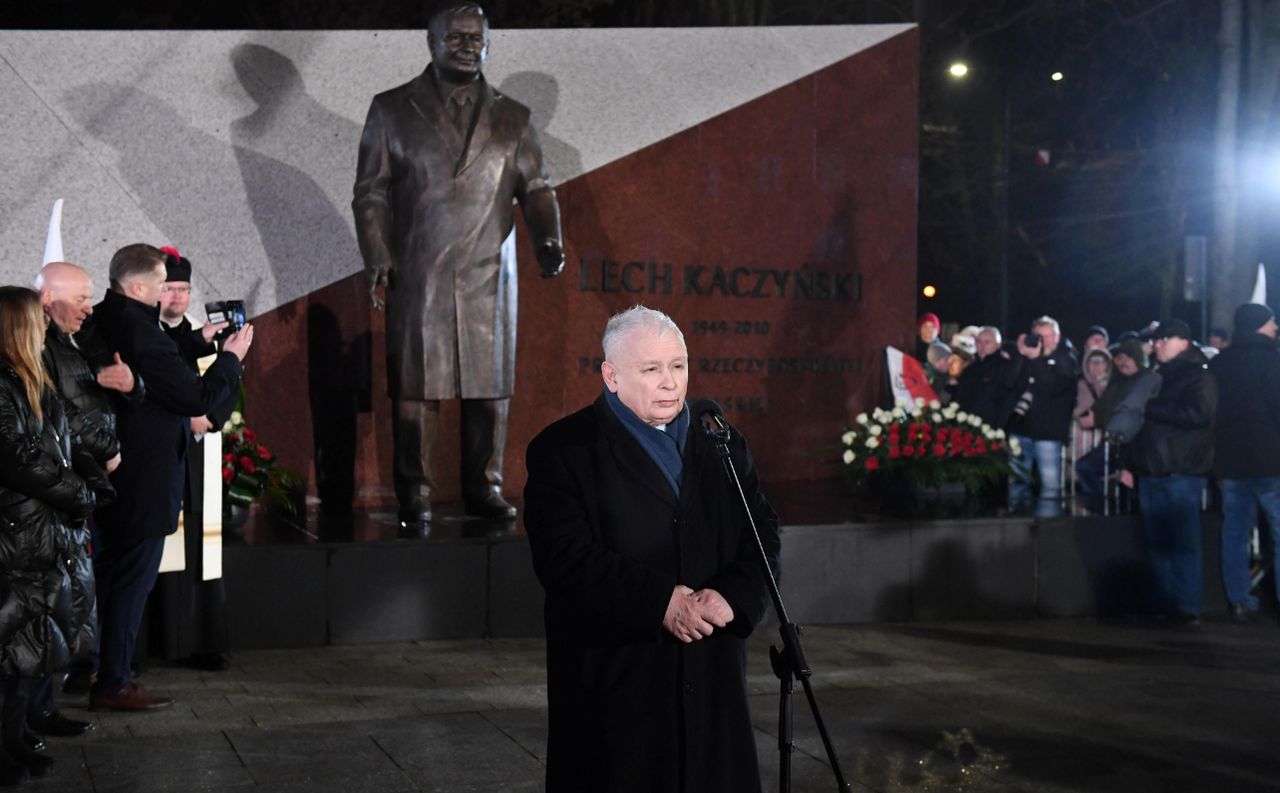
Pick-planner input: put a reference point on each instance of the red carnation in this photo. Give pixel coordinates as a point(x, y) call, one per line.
point(908, 451)
point(957, 450)
point(228, 458)
point(263, 453)
point(995, 447)
point(228, 474)
point(922, 450)
point(895, 452)
point(872, 463)
point(247, 464)
point(939, 450)
point(248, 434)
point(943, 432)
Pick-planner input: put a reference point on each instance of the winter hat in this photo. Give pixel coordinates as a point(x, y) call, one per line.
point(1099, 330)
point(176, 266)
point(930, 318)
point(1132, 347)
point(1251, 316)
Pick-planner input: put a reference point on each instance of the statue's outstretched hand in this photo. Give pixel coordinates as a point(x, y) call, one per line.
point(551, 258)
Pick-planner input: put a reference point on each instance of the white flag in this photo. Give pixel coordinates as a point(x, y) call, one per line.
point(1260, 286)
point(53, 242)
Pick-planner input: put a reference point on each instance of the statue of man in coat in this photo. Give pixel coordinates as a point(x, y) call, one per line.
point(653, 579)
point(442, 159)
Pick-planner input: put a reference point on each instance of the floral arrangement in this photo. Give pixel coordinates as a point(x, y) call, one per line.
point(928, 444)
point(250, 470)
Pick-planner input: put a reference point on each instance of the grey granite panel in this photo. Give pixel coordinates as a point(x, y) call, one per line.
point(239, 147)
point(398, 591)
point(972, 569)
point(275, 596)
point(853, 573)
point(515, 596)
point(1092, 566)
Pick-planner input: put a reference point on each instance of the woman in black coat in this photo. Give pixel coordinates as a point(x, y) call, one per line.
point(46, 583)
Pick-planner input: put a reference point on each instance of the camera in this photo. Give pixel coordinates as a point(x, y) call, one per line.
point(1033, 339)
point(229, 311)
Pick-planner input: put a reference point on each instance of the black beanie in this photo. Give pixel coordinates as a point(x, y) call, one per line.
point(177, 268)
point(1250, 317)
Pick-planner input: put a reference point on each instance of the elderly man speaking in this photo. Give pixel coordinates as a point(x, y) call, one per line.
point(652, 576)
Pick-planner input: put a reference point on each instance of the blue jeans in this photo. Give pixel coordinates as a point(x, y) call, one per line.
point(1046, 456)
point(1171, 521)
point(1241, 499)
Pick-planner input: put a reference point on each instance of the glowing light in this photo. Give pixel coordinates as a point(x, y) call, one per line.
point(1056, 77)
point(929, 290)
point(958, 70)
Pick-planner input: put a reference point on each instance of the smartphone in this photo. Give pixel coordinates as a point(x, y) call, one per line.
point(229, 311)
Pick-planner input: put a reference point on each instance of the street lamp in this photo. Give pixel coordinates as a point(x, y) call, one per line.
point(958, 70)
point(1056, 77)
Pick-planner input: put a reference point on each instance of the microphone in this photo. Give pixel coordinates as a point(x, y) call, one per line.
point(710, 415)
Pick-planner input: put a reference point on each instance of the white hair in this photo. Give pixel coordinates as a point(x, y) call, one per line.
point(993, 330)
point(636, 318)
point(1041, 322)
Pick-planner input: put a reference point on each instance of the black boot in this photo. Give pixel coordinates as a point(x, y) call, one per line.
point(484, 434)
point(12, 773)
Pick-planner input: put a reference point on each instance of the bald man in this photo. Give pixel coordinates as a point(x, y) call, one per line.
point(66, 294)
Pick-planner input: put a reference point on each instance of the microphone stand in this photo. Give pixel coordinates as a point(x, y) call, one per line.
point(789, 663)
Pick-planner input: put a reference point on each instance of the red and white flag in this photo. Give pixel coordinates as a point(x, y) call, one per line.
point(906, 377)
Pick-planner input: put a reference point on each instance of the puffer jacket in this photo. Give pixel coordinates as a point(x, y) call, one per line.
point(1177, 431)
point(91, 409)
point(47, 607)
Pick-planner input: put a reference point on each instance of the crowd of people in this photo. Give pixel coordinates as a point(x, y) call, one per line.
point(1151, 411)
point(98, 405)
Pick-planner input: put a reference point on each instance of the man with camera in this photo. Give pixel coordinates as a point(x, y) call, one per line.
point(1041, 422)
point(149, 481)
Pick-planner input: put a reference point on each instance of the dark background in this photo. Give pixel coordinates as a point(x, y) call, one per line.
point(1094, 236)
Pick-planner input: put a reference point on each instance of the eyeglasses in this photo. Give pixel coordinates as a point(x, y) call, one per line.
point(177, 290)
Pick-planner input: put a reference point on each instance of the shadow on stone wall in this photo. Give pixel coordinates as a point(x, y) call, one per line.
point(300, 228)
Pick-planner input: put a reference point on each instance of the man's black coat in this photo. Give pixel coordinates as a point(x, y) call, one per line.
point(631, 708)
point(1247, 437)
point(154, 435)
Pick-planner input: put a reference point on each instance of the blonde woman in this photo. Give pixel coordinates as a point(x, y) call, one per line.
point(46, 584)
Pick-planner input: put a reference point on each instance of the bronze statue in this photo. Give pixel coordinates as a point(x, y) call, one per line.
point(441, 159)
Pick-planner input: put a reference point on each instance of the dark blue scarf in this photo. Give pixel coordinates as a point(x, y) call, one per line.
point(664, 446)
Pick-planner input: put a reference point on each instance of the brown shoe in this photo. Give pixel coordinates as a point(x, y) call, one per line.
point(130, 699)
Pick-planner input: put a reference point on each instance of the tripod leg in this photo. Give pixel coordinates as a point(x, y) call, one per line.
point(786, 741)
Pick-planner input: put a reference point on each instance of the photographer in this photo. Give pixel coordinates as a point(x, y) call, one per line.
point(1041, 422)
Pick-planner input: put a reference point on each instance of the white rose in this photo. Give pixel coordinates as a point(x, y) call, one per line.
point(861, 419)
point(999, 434)
point(1015, 447)
point(936, 418)
point(898, 413)
point(950, 410)
point(873, 442)
point(917, 413)
point(849, 456)
point(227, 427)
point(975, 420)
point(919, 402)
point(236, 417)
point(875, 429)
point(848, 438)
point(962, 417)
point(934, 404)
point(901, 403)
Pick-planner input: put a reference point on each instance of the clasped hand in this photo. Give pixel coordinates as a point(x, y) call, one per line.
point(694, 615)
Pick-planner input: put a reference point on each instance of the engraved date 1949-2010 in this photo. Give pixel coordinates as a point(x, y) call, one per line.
point(727, 327)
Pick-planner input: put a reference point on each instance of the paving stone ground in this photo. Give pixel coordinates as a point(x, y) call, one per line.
point(1036, 706)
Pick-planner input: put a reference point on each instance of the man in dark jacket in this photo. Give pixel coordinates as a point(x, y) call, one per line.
point(66, 295)
point(149, 481)
point(1173, 453)
point(653, 580)
point(1041, 422)
point(986, 385)
point(1247, 447)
